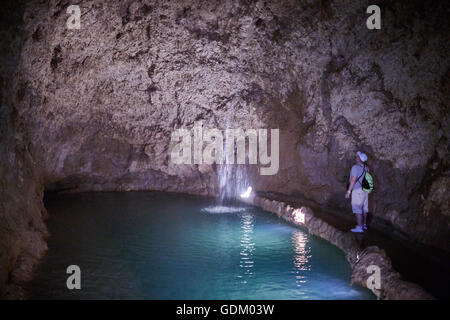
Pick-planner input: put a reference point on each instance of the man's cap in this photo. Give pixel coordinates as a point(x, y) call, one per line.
point(362, 156)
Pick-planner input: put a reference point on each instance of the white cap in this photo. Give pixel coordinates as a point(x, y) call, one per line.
point(362, 156)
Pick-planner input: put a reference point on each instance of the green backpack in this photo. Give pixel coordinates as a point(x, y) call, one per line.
point(367, 182)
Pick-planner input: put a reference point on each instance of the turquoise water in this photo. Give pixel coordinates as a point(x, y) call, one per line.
point(145, 245)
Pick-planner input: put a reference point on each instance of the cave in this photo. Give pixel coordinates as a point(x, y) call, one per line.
point(202, 149)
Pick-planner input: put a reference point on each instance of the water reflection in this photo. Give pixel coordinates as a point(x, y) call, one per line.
point(301, 257)
point(247, 247)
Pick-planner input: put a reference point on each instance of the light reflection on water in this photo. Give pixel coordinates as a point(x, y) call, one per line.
point(247, 244)
point(301, 257)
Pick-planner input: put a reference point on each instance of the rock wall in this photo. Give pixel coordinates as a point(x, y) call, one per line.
point(93, 109)
point(22, 230)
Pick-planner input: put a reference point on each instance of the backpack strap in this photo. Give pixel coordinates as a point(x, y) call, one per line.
point(362, 174)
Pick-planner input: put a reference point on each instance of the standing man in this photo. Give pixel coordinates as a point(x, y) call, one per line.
point(360, 198)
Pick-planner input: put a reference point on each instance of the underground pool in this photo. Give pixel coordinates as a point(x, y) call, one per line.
point(151, 245)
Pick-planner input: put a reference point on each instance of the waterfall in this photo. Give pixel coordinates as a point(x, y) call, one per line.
point(233, 178)
point(233, 181)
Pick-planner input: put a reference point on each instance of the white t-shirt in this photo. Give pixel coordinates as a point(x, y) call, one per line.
point(357, 171)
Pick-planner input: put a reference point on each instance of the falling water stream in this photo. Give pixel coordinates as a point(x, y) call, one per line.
point(233, 178)
point(233, 181)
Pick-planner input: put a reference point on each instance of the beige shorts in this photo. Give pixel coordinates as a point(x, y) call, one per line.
point(360, 201)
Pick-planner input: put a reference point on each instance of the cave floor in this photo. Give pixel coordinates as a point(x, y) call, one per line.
point(427, 267)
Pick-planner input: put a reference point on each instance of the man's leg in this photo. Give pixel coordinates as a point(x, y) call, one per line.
point(359, 219)
point(357, 208)
point(365, 208)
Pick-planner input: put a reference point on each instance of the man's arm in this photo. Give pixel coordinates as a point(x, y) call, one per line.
point(350, 188)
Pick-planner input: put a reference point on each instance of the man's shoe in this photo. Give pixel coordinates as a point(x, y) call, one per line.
point(364, 226)
point(357, 229)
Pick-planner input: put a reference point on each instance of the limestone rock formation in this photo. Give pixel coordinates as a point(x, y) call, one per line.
point(94, 108)
point(22, 213)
